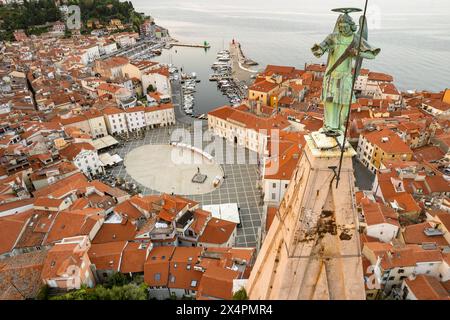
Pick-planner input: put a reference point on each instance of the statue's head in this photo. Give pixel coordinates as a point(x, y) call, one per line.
point(346, 25)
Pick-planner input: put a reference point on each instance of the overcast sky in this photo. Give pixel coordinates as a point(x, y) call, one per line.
point(311, 6)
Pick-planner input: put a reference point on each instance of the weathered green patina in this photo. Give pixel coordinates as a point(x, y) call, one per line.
point(342, 47)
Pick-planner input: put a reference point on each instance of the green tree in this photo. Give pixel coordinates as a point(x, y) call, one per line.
point(43, 293)
point(117, 279)
point(129, 291)
point(240, 295)
point(38, 12)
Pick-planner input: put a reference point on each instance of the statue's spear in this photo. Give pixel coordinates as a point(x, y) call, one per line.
point(362, 32)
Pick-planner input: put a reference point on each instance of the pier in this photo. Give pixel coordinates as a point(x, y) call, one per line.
point(241, 70)
point(177, 44)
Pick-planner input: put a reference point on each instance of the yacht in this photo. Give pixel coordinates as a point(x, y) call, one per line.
point(216, 65)
point(189, 87)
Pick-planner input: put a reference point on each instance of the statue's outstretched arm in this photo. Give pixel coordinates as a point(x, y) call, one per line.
point(368, 55)
point(367, 51)
point(319, 49)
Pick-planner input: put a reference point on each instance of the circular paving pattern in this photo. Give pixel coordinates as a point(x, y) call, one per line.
point(168, 169)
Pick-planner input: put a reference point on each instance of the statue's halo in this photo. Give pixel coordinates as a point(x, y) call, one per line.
point(346, 10)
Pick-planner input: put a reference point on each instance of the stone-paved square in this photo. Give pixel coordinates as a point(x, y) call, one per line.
point(240, 184)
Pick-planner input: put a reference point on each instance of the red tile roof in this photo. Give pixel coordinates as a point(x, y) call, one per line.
point(217, 283)
point(388, 141)
point(70, 152)
point(263, 86)
point(110, 232)
point(133, 257)
point(200, 219)
point(217, 231)
point(415, 234)
point(11, 228)
point(381, 77)
point(425, 287)
point(20, 276)
point(64, 186)
point(106, 256)
point(156, 267)
point(182, 273)
point(376, 213)
point(59, 258)
point(271, 212)
point(249, 120)
point(74, 223)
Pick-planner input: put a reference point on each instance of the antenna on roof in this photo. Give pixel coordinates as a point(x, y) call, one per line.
point(358, 62)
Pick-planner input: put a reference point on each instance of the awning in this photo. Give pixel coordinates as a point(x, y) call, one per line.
point(108, 160)
point(225, 211)
point(105, 142)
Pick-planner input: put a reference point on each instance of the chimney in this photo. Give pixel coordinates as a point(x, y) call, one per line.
point(258, 107)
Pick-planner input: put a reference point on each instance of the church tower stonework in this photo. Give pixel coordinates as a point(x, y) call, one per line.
point(312, 250)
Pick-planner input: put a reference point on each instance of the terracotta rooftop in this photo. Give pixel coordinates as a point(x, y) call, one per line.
point(156, 267)
point(217, 231)
point(263, 86)
point(11, 228)
point(106, 256)
point(20, 276)
point(110, 232)
point(74, 223)
point(133, 257)
point(415, 234)
point(376, 213)
point(217, 283)
point(72, 151)
point(425, 287)
point(388, 141)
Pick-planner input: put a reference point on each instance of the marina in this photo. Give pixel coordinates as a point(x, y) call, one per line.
point(202, 96)
point(225, 78)
point(232, 72)
point(188, 90)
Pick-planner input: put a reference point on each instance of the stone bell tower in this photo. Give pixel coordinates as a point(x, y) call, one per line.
point(312, 250)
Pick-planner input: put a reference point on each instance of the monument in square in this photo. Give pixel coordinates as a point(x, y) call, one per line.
point(312, 250)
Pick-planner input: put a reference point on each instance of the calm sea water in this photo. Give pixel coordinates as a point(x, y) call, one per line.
point(414, 35)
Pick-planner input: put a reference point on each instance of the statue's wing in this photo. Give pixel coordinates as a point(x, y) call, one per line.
point(365, 35)
point(365, 30)
point(336, 26)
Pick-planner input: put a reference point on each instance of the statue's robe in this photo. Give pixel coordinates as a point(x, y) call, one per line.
point(337, 86)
